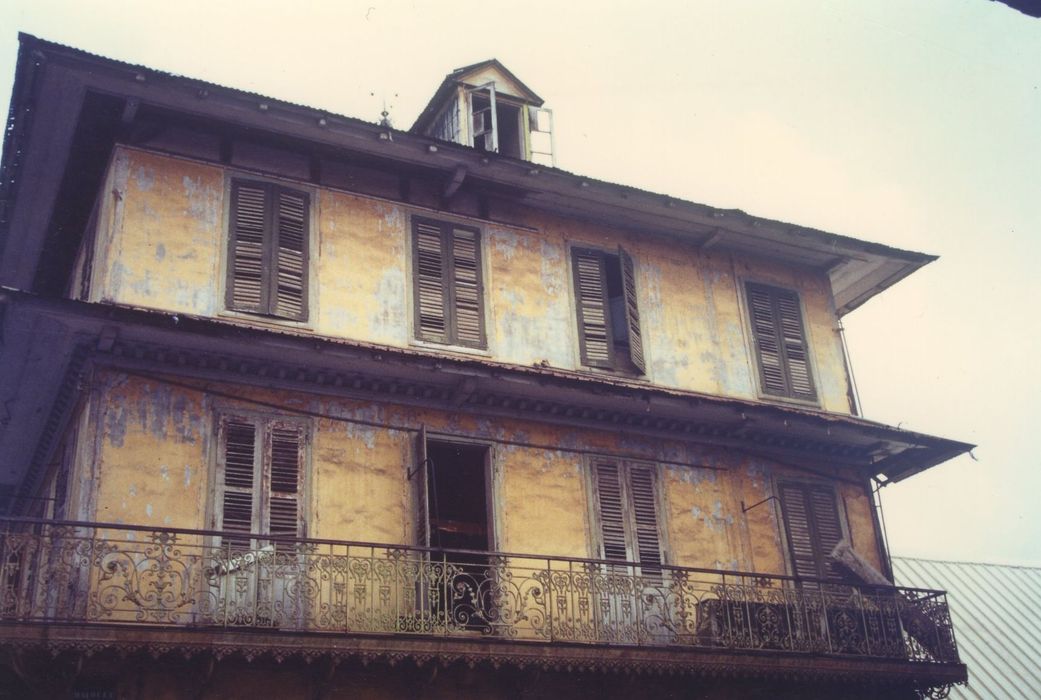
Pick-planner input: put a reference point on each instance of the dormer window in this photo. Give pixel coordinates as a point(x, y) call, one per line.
point(486, 107)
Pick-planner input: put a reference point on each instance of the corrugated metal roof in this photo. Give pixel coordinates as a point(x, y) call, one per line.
point(997, 621)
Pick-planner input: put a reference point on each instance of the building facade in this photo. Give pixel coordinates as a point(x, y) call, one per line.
point(305, 405)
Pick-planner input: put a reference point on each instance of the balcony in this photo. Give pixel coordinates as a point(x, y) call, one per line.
point(114, 584)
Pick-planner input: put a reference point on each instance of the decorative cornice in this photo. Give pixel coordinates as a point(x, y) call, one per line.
point(391, 651)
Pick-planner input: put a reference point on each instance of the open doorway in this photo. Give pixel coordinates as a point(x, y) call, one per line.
point(458, 516)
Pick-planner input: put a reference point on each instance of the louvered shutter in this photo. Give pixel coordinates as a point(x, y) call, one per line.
point(286, 476)
point(645, 519)
point(249, 239)
point(467, 288)
point(421, 490)
point(632, 312)
point(591, 297)
point(238, 493)
point(268, 256)
point(793, 339)
point(782, 353)
point(827, 527)
point(608, 478)
point(812, 521)
point(289, 264)
point(429, 280)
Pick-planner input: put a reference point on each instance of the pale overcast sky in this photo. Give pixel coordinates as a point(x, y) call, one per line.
point(913, 123)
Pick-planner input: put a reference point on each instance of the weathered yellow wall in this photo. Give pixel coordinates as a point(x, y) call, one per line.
point(154, 451)
point(165, 245)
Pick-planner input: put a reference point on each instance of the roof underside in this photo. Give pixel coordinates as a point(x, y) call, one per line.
point(69, 107)
point(47, 343)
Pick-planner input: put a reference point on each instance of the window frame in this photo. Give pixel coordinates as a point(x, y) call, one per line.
point(446, 228)
point(624, 469)
point(634, 364)
point(225, 265)
point(755, 353)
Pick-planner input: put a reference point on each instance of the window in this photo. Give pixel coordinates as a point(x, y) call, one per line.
point(811, 519)
point(780, 342)
point(626, 510)
point(447, 283)
point(608, 316)
point(260, 478)
point(268, 250)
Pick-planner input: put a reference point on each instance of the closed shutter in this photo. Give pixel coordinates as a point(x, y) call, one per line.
point(780, 341)
point(289, 279)
point(448, 285)
point(239, 478)
point(645, 519)
point(812, 522)
point(247, 262)
point(268, 256)
point(283, 505)
point(467, 291)
point(789, 316)
point(632, 312)
point(591, 296)
point(607, 476)
point(429, 255)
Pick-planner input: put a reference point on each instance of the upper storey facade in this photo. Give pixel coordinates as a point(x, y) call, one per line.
point(531, 288)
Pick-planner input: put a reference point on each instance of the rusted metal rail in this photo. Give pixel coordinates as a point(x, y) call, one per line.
point(109, 574)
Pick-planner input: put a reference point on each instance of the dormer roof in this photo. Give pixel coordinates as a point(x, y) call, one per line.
point(473, 75)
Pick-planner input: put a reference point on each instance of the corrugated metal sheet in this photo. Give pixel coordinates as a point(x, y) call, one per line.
point(997, 622)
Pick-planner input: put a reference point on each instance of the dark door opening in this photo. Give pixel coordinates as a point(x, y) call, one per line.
point(459, 510)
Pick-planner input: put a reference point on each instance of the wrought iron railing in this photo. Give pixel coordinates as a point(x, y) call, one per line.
point(106, 574)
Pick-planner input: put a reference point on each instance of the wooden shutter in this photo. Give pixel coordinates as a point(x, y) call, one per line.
point(645, 518)
point(429, 279)
point(812, 521)
point(247, 261)
point(268, 256)
point(289, 250)
point(609, 495)
point(793, 339)
point(286, 477)
point(467, 288)
point(632, 312)
point(784, 368)
point(448, 285)
point(238, 496)
point(594, 340)
point(421, 490)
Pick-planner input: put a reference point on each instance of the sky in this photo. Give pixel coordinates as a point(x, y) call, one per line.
point(914, 123)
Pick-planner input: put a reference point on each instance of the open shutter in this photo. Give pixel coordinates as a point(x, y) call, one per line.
point(607, 476)
point(632, 311)
point(645, 519)
point(789, 317)
point(485, 121)
point(467, 288)
point(429, 279)
point(247, 261)
point(238, 500)
point(421, 490)
point(591, 297)
point(289, 266)
point(284, 503)
point(540, 136)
